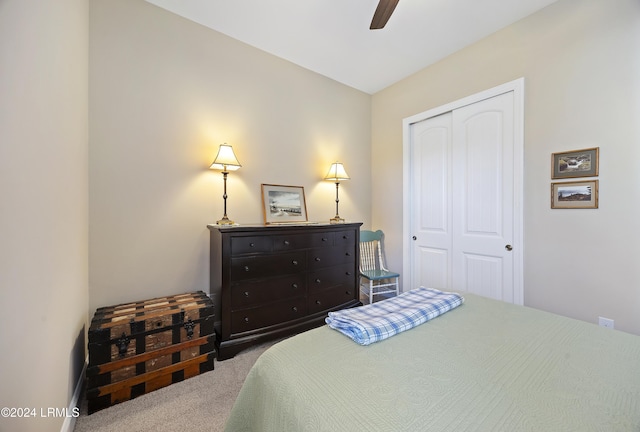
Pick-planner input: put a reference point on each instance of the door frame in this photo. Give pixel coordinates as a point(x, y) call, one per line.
point(517, 87)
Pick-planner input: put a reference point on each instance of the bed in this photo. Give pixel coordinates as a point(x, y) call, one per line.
point(483, 366)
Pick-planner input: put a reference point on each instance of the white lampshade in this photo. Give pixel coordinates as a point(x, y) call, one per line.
point(225, 160)
point(337, 173)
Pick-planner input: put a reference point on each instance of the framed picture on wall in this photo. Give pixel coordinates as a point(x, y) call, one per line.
point(574, 195)
point(283, 204)
point(575, 163)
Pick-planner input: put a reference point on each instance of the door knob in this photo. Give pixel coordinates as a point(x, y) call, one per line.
point(509, 247)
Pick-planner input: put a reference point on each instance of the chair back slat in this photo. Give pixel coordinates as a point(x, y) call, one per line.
point(369, 255)
point(371, 250)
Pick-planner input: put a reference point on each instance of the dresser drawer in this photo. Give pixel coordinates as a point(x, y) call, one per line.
point(345, 238)
point(331, 276)
point(251, 267)
point(253, 244)
point(268, 315)
point(288, 242)
point(330, 299)
point(319, 258)
point(255, 293)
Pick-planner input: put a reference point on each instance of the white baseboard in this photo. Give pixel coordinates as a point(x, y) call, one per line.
point(70, 421)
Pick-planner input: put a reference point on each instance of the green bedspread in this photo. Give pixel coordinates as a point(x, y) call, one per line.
point(485, 366)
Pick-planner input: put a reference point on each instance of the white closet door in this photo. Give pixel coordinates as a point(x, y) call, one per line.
point(483, 207)
point(462, 199)
point(432, 200)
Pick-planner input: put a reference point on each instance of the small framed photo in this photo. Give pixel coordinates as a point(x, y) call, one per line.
point(574, 195)
point(283, 204)
point(575, 163)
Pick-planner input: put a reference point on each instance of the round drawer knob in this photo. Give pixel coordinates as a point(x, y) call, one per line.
point(317, 259)
point(246, 319)
point(252, 244)
point(348, 273)
point(246, 268)
point(318, 302)
point(348, 293)
point(324, 239)
point(294, 262)
point(318, 280)
point(286, 242)
point(294, 285)
point(246, 293)
point(295, 309)
point(348, 254)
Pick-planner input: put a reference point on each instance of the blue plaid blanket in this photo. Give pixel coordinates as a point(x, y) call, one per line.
point(386, 318)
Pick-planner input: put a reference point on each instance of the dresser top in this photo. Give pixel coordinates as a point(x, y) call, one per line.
point(287, 226)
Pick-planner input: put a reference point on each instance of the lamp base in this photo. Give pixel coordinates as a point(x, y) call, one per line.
point(225, 221)
point(336, 220)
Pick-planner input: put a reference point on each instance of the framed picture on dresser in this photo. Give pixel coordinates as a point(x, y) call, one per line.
point(283, 204)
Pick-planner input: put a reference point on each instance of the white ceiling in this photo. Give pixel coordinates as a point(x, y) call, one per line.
point(332, 37)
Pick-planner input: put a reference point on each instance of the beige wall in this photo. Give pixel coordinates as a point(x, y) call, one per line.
point(581, 63)
point(43, 206)
point(165, 92)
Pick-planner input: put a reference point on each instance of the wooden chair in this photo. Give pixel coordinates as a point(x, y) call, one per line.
point(375, 279)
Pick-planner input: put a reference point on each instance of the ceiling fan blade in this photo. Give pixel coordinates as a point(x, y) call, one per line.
point(383, 13)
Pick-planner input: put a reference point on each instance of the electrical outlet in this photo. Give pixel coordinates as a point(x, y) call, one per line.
point(605, 322)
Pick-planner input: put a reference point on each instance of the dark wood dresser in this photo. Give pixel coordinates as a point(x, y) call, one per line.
point(270, 281)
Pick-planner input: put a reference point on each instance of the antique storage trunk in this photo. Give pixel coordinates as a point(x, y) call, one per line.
point(136, 348)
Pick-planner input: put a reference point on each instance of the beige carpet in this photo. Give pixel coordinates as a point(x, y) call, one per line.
point(201, 403)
